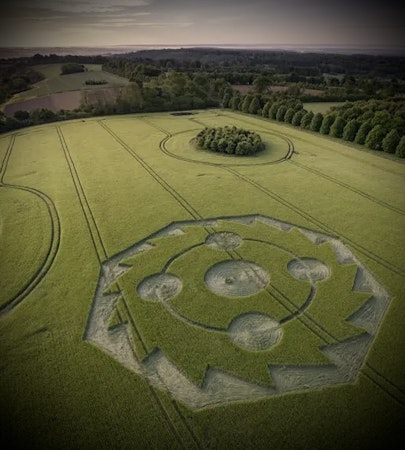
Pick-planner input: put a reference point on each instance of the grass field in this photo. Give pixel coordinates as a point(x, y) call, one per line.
point(54, 82)
point(67, 92)
point(321, 107)
point(154, 295)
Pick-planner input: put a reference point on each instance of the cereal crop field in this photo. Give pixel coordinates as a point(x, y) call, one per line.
point(154, 295)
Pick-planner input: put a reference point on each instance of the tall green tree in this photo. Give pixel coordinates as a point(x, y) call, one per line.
point(226, 100)
point(375, 137)
point(254, 105)
point(336, 130)
point(400, 150)
point(261, 84)
point(391, 141)
point(382, 118)
point(362, 132)
point(273, 110)
point(316, 122)
point(350, 130)
point(289, 115)
point(281, 113)
point(306, 120)
point(246, 103)
point(265, 110)
point(234, 102)
point(327, 123)
point(296, 120)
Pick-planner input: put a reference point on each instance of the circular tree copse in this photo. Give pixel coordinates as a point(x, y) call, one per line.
point(229, 140)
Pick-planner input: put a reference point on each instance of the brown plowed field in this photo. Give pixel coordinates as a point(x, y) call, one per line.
point(63, 100)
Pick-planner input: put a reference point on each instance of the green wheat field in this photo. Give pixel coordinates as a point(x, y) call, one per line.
point(158, 296)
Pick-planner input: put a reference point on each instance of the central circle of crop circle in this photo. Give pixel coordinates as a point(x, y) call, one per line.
point(236, 278)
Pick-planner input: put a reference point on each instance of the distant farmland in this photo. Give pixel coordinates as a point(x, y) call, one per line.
point(57, 91)
point(156, 295)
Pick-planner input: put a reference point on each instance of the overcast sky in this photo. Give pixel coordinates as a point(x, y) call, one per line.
point(188, 22)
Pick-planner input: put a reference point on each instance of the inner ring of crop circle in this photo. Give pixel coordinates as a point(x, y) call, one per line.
point(180, 146)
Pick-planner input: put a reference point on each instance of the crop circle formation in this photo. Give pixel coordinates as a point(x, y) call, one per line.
point(240, 287)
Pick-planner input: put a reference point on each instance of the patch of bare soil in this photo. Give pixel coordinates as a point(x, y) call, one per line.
point(65, 100)
point(54, 102)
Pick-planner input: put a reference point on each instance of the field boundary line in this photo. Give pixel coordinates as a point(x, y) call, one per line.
point(369, 254)
point(386, 385)
point(178, 197)
point(88, 214)
point(54, 244)
point(380, 380)
point(350, 188)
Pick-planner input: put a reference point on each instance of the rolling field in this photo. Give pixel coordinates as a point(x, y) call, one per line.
point(54, 82)
point(58, 91)
point(154, 295)
point(321, 107)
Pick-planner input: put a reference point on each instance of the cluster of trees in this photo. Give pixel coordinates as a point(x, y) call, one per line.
point(376, 124)
point(338, 76)
point(70, 67)
point(22, 119)
point(171, 91)
point(16, 78)
point(95, 82)
point(230, 140)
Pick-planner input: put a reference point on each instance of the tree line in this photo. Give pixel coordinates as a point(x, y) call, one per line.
point(164, 80)
point(376, 124)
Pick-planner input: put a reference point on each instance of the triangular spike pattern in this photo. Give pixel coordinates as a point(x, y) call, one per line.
point(343, 254)
point(282, 226)
point(299, 378)
point(370, 314)
point(315, 237)
point(349, 355)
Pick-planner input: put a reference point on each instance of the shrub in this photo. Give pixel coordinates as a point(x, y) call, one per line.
point(95, 82)
point(72, 68)
point(400, 151)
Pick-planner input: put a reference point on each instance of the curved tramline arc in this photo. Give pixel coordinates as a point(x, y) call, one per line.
point(55, 232)
point(164, 149)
